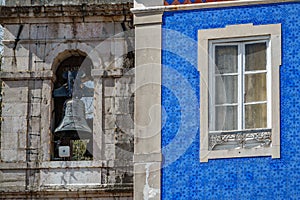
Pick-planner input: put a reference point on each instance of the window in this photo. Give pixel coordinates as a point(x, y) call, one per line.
point(239, 69)
point(73, 107)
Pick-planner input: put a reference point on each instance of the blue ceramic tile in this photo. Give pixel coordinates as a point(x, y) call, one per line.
point(184, 177)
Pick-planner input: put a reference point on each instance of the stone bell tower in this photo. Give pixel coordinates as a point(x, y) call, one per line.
point(57, 51)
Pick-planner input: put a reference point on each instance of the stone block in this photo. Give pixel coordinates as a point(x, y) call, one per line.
point(9, 155)
point(15, 95)
point(11, 32)
point(109, 87)
point(118, 45)
point(108, 29)
point(53, 30)
point(106, 53)
point(35, 123)
point(109, 136)
point(124, 135)
point(38, 52)
point(17, 2)
point(123, 86)
point(118, 30)
point(13, 124)
point(109, 105)
point(9, 141)
point(110, 121)
point(35, 110)
point(104, 48)
point(8, 49)
point(88, 30)
point(39, 31)
point(147, 181)
point(71, 177)
point(21, 135)
point(125, 121)
point(36, 94)
point(15, 141)
point(98, 146)
point(14, 109)
point(111, 179)
point(124, 152)
point(65, 31)
point(125, 198)
point(110, 152)
point(11, 179)
point(118, 62)
point(145, 3)
point(34, 138)
point(15, 64)
point(124, 105)
point(22, 50)
point(40, 66)
point(35, 86)
point(102, 30)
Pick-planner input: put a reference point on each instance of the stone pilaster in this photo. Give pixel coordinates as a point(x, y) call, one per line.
point(147, 140)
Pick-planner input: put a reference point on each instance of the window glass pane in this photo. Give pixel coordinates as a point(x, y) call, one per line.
point(255, 87)
point(226, 118)
point(256, 58)
point(226, 59)
point(256, 116)
point(226, 89)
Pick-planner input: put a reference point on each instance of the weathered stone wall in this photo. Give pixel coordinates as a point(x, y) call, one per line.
point(68, 2)
point(33, 49)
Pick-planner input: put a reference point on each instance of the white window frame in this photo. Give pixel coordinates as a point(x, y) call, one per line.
point(240, 73)
point(237, 34)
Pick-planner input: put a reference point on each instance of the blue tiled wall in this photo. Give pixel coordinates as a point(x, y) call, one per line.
point(183, 176)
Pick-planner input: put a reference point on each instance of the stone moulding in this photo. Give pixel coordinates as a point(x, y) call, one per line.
point(95, 194)
point(33, 75)
point(83, 10)
point(241, 139)
point(64, 2)
point(194, 6)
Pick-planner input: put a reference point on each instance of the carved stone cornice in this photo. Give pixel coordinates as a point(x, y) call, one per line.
point(24, 13)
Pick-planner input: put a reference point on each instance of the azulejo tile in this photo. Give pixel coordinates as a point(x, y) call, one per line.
point(177, 2)
point(243, 178)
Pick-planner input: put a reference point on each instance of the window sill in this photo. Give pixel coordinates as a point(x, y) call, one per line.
point(238, 153)
point(73, 164)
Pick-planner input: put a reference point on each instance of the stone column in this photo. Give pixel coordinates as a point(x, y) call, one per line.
point(147, 140)
point(98, 142)
point(46, 119)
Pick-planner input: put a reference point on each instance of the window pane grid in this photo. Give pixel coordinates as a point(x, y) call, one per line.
point(255, 56)
point(254, 85)
point(226, 74)
point(233, 104)
point(255, 72)
point(241, 92)
point(257, 102)
point(253, 77)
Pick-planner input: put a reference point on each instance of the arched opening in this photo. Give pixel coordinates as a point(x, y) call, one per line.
point(73, 107)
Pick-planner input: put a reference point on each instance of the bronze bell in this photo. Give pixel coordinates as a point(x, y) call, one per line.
point(74, 124)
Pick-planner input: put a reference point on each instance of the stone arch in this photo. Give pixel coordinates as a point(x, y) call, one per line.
point(62, 51)
point(64, 55)
point(70, 60)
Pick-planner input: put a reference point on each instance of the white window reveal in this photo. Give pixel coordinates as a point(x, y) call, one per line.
point(239, 92)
